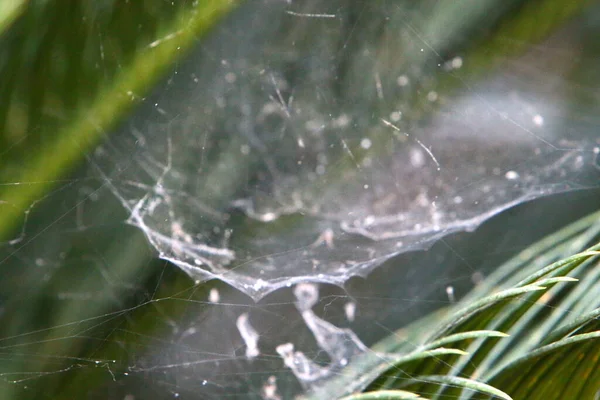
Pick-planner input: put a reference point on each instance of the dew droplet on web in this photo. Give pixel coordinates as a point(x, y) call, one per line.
point(350, 311)
point(342, 121)
point(396, 116)
point(450, 293)
point(511, 175)
point(477, 277)
point(230, 77)
point(457, 62)
point(417, 158)
point(402, 80)
point(365, 143)
point(214, 296)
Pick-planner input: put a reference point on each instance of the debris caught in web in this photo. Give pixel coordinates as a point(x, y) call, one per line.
point(264, 172)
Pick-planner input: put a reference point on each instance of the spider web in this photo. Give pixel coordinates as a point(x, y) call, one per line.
point(280, 160)
point(300, 144)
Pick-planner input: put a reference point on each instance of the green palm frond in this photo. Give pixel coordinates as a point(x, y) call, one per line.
point(534, 337)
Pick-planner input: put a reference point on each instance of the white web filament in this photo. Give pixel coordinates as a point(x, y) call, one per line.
point(341, 345)
point(249, 335)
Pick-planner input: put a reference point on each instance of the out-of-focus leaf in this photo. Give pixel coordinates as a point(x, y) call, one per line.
point(9, 11)
point(85, 110)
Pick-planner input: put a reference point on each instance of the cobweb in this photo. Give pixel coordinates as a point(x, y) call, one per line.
point(299, 146)
point(285, 158)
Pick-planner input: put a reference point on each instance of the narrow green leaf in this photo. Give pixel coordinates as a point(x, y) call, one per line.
point(551, 348)
point(457, 337)
point(407, 365)
point(487, 355)
point(384, 395)
point(586, 321)
point(572, 239)
point(361, 374)
point(469, 311)
point(463, 383)
point(557, 279)
point(561, 370)
point(568, 263)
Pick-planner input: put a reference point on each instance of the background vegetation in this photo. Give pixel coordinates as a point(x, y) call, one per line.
point(82, 297)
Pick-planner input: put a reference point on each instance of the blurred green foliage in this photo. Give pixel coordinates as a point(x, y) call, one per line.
point(69, 73)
